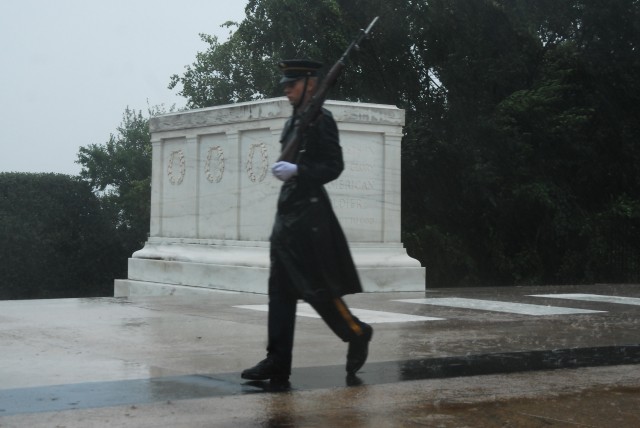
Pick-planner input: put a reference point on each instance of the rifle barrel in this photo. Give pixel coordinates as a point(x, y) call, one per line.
point(368, 30)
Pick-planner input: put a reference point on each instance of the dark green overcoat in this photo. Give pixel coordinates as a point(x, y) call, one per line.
point(309, 251)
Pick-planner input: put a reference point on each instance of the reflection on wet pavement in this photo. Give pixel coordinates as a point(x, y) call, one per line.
point(66, 359)
point(104, 394)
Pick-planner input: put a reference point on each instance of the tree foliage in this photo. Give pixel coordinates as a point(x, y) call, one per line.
point(520, 155)
point(119, 171)
point(56, 240)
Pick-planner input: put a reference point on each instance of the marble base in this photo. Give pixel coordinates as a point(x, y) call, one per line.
point(176, 267)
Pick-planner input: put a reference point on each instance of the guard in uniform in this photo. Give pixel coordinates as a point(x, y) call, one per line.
point(310, 257)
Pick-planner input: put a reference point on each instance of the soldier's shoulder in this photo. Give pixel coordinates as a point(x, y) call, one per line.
point(327, 112)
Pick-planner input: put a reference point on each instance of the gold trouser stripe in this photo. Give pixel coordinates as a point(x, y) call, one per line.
point(342, 308)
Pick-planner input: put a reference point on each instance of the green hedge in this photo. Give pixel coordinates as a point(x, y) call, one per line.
point(56, 241)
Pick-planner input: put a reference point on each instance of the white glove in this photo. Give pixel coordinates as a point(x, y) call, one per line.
point(284, 170)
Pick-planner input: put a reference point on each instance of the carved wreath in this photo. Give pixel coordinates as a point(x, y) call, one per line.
point(219, 169)
point(176, 178)
point(264, 164)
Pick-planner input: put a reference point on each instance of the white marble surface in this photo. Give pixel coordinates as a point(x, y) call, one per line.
point(213, 197)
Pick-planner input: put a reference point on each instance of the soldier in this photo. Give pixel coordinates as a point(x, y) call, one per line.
point(310, 258)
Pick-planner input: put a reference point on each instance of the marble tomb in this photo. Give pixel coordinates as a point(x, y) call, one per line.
point(213, 199)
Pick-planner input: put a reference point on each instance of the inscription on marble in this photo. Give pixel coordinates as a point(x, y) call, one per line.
point(258, 189)
point(214, 166)
point(357, 193)
point(263, 162)
point(217, 197)
point(176, 168)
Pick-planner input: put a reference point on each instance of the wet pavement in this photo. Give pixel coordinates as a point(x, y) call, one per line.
point(513, 356)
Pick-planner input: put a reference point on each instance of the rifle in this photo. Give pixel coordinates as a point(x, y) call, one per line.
point(312, 108)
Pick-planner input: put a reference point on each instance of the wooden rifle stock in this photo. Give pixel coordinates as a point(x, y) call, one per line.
point(313, 107)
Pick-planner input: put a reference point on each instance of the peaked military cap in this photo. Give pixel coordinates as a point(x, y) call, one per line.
point(294, 69)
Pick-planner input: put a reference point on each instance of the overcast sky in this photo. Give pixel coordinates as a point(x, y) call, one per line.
point(70, 68)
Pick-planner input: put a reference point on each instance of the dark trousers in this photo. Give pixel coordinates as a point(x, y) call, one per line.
point(282, 318)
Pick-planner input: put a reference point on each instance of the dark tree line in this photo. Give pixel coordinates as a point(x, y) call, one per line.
point(520, 154)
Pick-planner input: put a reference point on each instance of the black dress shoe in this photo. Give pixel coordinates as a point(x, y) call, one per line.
point(359, 350)
point(266, 369)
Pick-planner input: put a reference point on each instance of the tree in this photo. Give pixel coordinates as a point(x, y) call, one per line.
point(244, 67)
point(120, 172)
point(478, 57)
point(56, 240)
point(571, 129)
point(520, 154)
